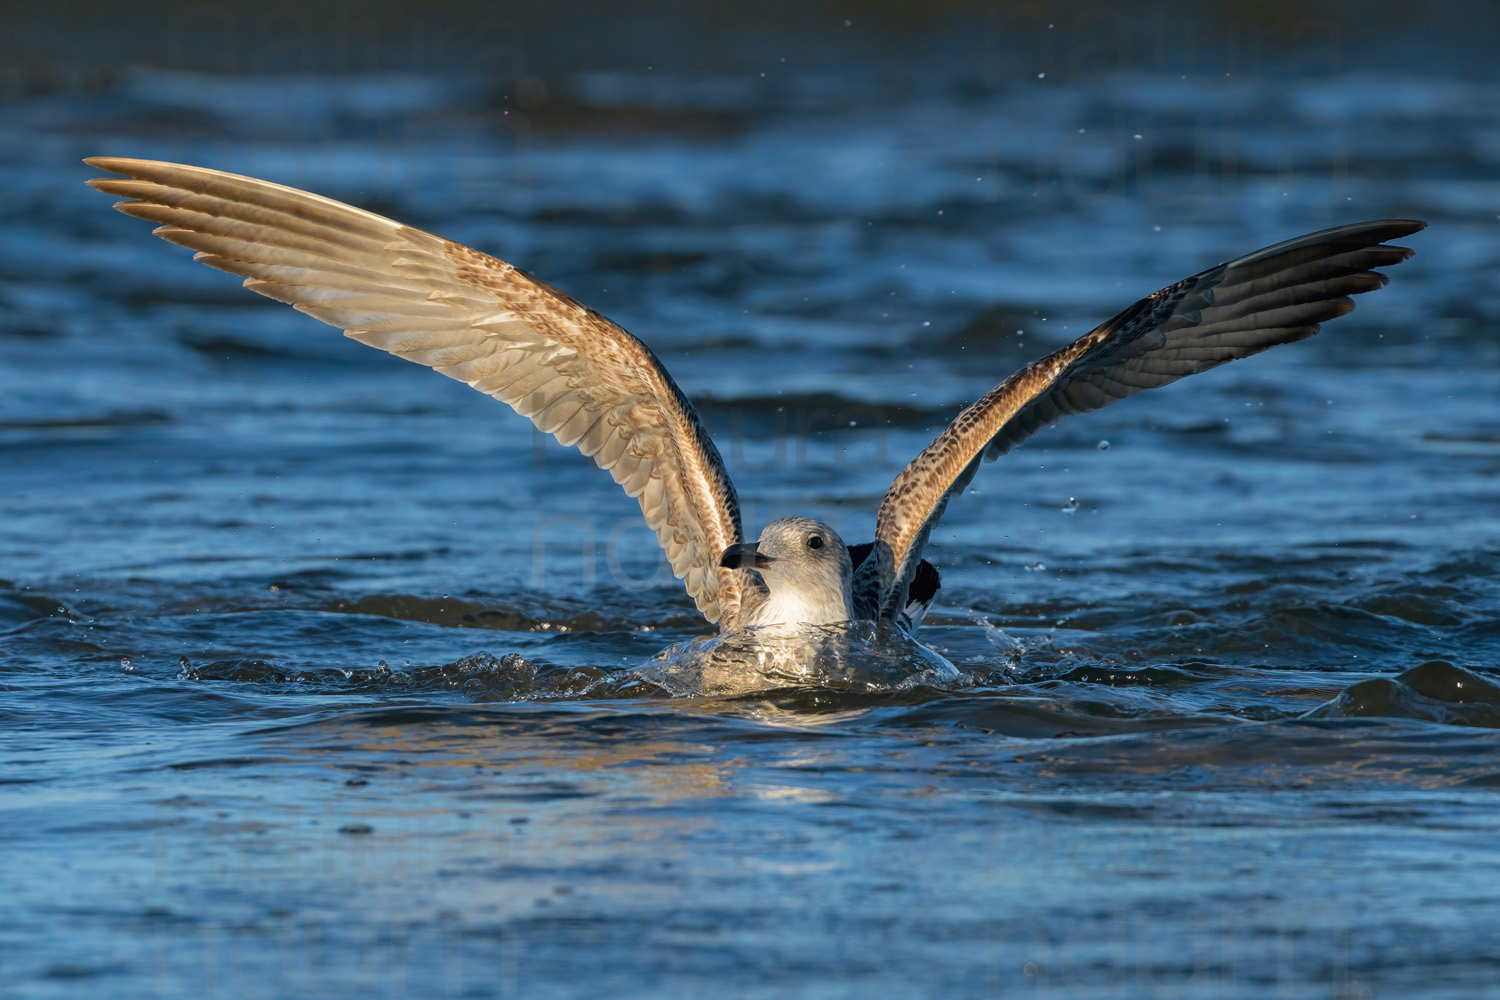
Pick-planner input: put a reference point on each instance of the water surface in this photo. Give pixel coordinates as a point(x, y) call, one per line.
point(315, 668)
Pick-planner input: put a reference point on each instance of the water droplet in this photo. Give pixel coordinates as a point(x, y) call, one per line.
point(1104, 446)
point(1070, 506)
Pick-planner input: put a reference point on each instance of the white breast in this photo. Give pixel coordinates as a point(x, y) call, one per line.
point(785, 606)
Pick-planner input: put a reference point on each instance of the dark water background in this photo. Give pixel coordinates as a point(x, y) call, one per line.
point(1229, 722)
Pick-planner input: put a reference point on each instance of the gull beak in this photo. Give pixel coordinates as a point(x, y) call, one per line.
point(744, 556)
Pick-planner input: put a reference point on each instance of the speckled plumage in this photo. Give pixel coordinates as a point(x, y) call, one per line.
point(1273, 296)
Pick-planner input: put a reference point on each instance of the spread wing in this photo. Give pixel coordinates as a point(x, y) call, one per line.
point(1273, 296)
point(576, 375)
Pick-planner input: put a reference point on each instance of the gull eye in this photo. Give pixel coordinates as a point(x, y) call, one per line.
point(815, 541)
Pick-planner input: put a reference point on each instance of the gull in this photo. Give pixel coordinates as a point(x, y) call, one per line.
point(593, 386)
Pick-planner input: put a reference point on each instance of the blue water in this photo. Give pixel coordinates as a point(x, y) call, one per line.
point(1226, 721)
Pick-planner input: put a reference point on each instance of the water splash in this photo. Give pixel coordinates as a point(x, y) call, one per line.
point(855, 656)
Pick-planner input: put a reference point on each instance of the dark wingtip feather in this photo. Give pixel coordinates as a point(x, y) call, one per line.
point(925, 584)
point(1407, 227)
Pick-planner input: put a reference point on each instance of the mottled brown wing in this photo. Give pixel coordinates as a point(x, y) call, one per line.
point(1273, 296)
point(573, 373)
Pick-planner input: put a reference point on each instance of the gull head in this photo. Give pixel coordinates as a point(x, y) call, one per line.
point(806, 567)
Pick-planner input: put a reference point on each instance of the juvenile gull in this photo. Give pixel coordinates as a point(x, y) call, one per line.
point(584, 380)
